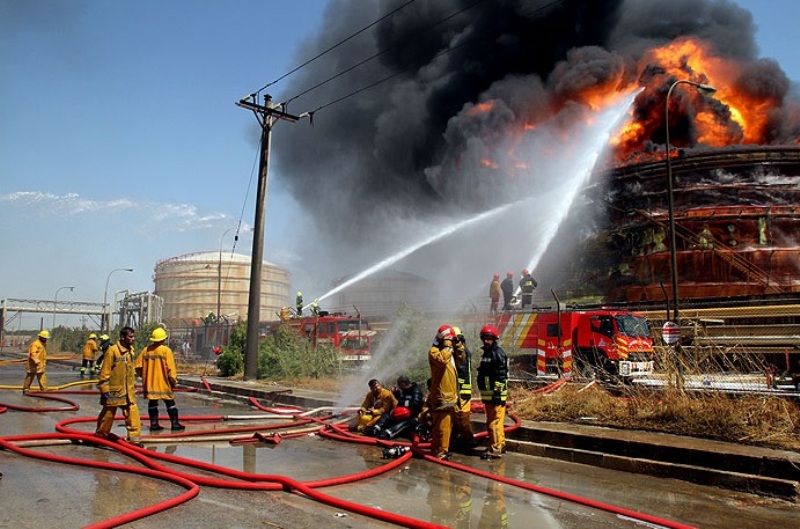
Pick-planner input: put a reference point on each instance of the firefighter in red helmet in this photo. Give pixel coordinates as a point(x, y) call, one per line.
point(494, 294)
point(443, 396)
point(493, 384)
point(527, 285)
point(507, 287)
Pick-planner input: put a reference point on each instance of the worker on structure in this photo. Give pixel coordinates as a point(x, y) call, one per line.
point(443, 397)
point(378, 401)
point(494, 294)
point(493, 383)
point(465, 438)
point(117, 385)
point(37, 362)
point(507, 287)
point(105, 343)
point(89, 350)
point(315, 308)
point(156, 366)
point(298, 303)
point(527, 285)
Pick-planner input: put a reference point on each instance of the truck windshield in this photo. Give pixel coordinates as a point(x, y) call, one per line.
point(348, 325)
point(633, 326)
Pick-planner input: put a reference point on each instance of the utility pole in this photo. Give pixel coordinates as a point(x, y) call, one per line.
point(266, 115)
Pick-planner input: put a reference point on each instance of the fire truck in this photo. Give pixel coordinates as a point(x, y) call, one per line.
point(607, 343)
point(349, 334)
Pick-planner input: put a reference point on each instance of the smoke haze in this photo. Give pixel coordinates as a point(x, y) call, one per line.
point(491, 121)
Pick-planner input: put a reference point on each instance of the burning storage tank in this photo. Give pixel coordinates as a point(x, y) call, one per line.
point(195, 286)
point(737, 219)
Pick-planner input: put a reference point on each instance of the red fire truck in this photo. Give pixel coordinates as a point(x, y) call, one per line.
point(348, 334)
point(612, 343)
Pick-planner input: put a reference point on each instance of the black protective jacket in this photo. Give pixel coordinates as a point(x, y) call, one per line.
point(493, 375)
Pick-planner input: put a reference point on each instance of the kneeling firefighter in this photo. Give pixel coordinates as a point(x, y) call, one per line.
point(404, 416)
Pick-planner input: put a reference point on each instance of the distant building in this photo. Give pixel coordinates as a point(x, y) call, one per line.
point(378, 296)
point(200, 285)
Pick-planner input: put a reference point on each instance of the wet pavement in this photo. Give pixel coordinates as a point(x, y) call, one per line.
point(47, 494)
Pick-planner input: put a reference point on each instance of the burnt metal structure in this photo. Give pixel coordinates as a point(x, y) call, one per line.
point(737, 225)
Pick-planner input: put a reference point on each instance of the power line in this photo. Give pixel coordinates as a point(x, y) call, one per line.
point(284, 76)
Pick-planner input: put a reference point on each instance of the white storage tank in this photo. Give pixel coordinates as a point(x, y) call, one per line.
point(196, 285)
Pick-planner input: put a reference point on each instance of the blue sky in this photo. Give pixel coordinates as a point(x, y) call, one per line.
point(120, 144)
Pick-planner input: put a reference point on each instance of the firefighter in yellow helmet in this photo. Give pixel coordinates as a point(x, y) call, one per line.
point(89, 350)
point(298, 303)
point(156, 366)
point(37, 362)
point(465, 438)
point(117, 385)
point(443, 397)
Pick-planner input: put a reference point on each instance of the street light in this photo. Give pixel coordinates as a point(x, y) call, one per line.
point(106, 312)
point(55, 303)
point(703, 88)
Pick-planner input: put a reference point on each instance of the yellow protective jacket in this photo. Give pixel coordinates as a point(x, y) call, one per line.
point(443, 392)
point(383, 403)
point(494, 289)
point(118, 376)
point(89, 349)
point(37, 357)
point(156, 366)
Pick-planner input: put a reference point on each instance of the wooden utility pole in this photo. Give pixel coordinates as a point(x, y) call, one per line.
point(267, 115)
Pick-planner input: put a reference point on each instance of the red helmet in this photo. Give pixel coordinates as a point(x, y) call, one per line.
point(489, 331)
point(509, 274)
point(525, 271)
point(401, 413)
point(496, 276)
point(445, 332)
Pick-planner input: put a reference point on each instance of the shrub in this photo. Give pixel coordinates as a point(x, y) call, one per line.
point(287, 355)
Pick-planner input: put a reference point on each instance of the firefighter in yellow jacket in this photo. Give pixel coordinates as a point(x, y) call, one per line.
point(443, 397)
point(89, 351)
point(378, 401)
point(156, 366)
point(37, 362)
point(117, 385)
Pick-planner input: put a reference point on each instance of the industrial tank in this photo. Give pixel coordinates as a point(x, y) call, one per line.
point(200, 285)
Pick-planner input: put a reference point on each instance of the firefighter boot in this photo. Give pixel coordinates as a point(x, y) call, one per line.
point(153, 414)
point(173, 418)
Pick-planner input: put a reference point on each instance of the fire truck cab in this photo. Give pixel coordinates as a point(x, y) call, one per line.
point(598, 342)
point(351, 336)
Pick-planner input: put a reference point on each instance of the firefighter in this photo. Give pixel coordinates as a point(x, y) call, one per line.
point(493, 383)
point(89, 350)
point(404, 416)
point(298, 303)
point(443, 398)
point(156, 366)
point(37, 362)
point(378, 401)
point(117, 385)
point(105, 343)
point(315, 308)
point(465, 438)
point(507, 287)
point(494, 294)
point(527, 285)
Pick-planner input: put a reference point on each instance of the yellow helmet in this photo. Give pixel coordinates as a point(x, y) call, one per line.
point(92, 336)
point(44, 334)
point(104, 337)
point(158, 335)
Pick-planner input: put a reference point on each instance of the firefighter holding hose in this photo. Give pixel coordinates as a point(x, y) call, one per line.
point(156, 366)
point(443, 398)
point(493, 383)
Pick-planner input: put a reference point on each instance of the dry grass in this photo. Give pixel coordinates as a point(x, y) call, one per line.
point(755, 420)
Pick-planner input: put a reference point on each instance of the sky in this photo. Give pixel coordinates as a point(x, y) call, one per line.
point(121, 145)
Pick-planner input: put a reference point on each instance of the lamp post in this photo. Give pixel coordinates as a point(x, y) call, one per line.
point(703, 88)
point(55, 303)
point(106, 312)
